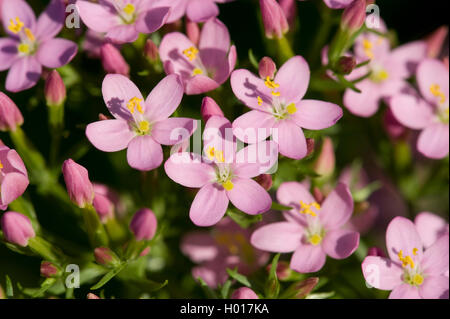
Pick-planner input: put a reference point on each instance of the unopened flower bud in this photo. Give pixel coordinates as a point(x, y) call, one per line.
point(106, 257)
point(151, 50)
point(435, 42)
point(267, 68)
point(290, 10)
point(375, 251)
point(17, 228)
point(49, 270)
point(144, 224)
point(92, 296)
point(10, 115)
point(318, 195)
point(310, 145)
point(193, 31)
point(55, 90)
point(113, 61)
point(244, 293)
point(346, 65)
point(102, 117)
point(306, 286)
point(265, 180)
point(354, 16)
point(325, 163)
point(210, 108)
point(104, 207)
point(274, 20)
point(78, 185)
point(283, 270)
point(393, 127)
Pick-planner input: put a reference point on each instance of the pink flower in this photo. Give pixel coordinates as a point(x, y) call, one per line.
point(32, 44)
point(389, 71)
point(244, 293)
point(140, 126)
point(204, 68)
point(79, 187)
point(144, 224)
point(17, 228)
point(10, 115)
point(278, 104)
point(410, 272)
point(195, 10)
point(226, 246)
point(13, 176)
point(222, 174)
point(338, 4)
point(312, 231)
point(430, 114)
point(430, 228)
point(123, 20)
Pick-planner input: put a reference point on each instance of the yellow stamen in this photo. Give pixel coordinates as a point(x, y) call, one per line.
point(367, 47)
point(144, 126)
point(15, 27)
point(135, 103)
point(417, 279)
point(291, 108)
point(315, 239)
point(197, 71)
point(435, 89)
point(382, 75)
point(415, 250)
point(1, 165)
point(406, 260)
point(271, 84)
point(260, 101)
point(24, 48)
point(276, 93)
point(129, 9)
point(212, 154)
point(306, 208)
point(191, 53)
point(228, 185)
point(29, 34)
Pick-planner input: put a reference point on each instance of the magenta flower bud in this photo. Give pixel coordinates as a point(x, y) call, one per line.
point(325, 163)
point(55, 90)
point(354, 16)
point(151, 50)
point(306, 286)
point(78, 185)
point(346, 65)
point(310, 145)
point(144, 224)
point(274, 20)
point(10, 115)
point(244, 293)
point(265, 180)
point(92, 296)
point(210, 108)
point(267, 68)
point(49, 270)
point(290, 10)
point(193, 31)
point(113, 61)
point(17, 228)
point(375, 251)
point(106, 257)
point(435, 42)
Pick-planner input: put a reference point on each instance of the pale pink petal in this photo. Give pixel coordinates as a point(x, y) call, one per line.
point(109, 135)
point(97, 17)
point(51, 21)
point(188, 170)
point(200, 10)
point(219, 135)
point(209, 205)
point(337, 208)
point(382, 273)
point(8, 52)
point(405, 291)
point(256, 159)
point(11, 9)
point(200, 84)
point(340, 244)
point(435, 287)
point(144, 153)
point(249, 197)
point(291, 193)
point(199, 247)
point(316, 115)
point(308, 258)
point(171, 50)
point(55, 53)
point(122, 34)
point(164, 99)
point(432, 72)
point(435, 258)
point(364, 104)
point(12, 186)
point(23, 74)
point(434, 141)
point(290, 139)
point(173, 130)
point(247, 87)
point(214, 35)
point(153, 19)
point(281, 237)
point(293, 78)
point(430, 227)
point(403, 61)
point(401, 234)
point(410, 111)
point(253, 126)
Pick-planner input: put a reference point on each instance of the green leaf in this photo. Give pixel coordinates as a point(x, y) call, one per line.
point(321, 295)
point(109, 275)
point(273, 284)
point(242, 219)
point(9, 288)
point(237, 276)
point(276, 206)
point(253, 59)
point(363, 194)
point(225, 289)
point(209, 292)
point(347, 83)
point(49, 282)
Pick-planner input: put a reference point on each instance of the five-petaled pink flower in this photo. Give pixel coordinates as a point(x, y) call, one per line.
point(195, 10)
point(430, 114)
point(141, 126)
point(32, 44)
point(204, 68)
point(278, 104)
point(222, 174)
point(430, 227)
point(123, 20)
point(312, 231)
point(410, 272)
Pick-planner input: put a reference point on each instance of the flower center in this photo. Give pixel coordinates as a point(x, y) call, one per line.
point(127, 12)
point(379, 76)
point(412, 275)
point(135, 103)
point(191, 53)
point(307, 208)
point(141, 125)
point(224, 176)
point(28, 43)
point(214, 154)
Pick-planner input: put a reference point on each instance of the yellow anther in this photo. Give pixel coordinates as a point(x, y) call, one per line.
point(415, 250)
point(271, 84)
point(306, 208)
point(276, 93)
point(406, 260)
point(29, 34)
point(197, 71)
point(435, 89)
point(228, 185)
point(191, 53)
point(260, 101)
point(1, 165)
point(144, 127)
point(129, 9)
point(212, 154)
point(24, 48)
point(367, 47)
point(291, 108)
point(417, 279)
point(135, 103)
point(15, 27)
point(315, 239)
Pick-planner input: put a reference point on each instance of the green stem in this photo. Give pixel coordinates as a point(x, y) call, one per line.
point(285, 51)
point(43, 248)
point(94, 227)
point(56, 124)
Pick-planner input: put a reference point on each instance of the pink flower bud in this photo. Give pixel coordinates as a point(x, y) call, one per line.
point(290, 10)
point(267, 68)
point(193, 31)
point(354, 16)
point(435, 42)
point(144, 224)
point(325, 163)
point(78, 185)
point(283, 270)
point(10, 116)
point(151, 50)
point(306, 286)
point(49, 270)
point(375, 251)
point(55, 90)
point(113, 61)
point(106, 257)
point(17, 228)
point(92, 296)
point(274, 20)
point(346, 65)
point(210, 108)
point(102, 117)
point(244, 293)
point(265, 180)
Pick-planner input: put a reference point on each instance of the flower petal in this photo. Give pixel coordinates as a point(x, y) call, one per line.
point(434, 141)
point(122, 34)
point(293, 78)
point(382, 273)
point(341, 243)
point(256, 159)
point(171, 50)
point(97, 17)
point(8, 52)
point(308, 258)
point(200, 84)
point(209, 205)
point(55, 53)
point(253, 126)
point(401, 234)
point(12, 9)
point(430, 227)
point(109, 135)
point(144, 153)
point(316, 115)
point(188, 170)
point(23, 74)
point(214, 35)
point(290, 139)
point(410, 111)
point(164, 99)
point(200, 10)
point(364, 104)
point(435, 258)
point(403, 60)
point(281, 237)
point(435, 287)
point(153, 19)
point(51, 21)
point(337, 208)
point(247, 87)
point(13, 185)
point(248, 196)
point(173, 130)
point(431, 72)
point(199, 247)
point(405, 291)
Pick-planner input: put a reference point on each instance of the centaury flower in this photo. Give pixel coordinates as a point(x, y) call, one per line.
point(195, 10)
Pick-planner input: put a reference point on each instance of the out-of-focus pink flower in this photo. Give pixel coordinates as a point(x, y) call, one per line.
point(410, 272)
point(265, 180)
point(393, 128)
point(222, 174)
point(92, 296)
point(375, 251)
point(226, 246)
point(203, 68)
point(93, 42)
point(338, 4)
point(123, 21)
point(106, 201)
point(436, 41)
point(32, 43)
point(17, 228)
point(106, 257)
point(326, 161)
point(430, 114)
point(312, 231)
point(244, 293)
point(140, 126)
point(113, 61)
point(195, 10)
point(274, 19)
point(144, 224)
point(151, 50)
point(279, 104)
point(210, 108)
point(78, 185)
point(10, 115)
point(55, 90)
point(13, 176)
point(430, 227)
